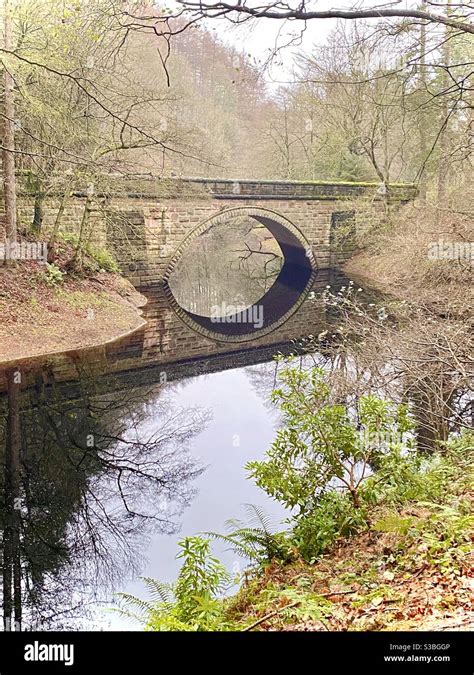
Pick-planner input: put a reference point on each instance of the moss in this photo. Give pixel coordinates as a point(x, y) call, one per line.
point(84, 300)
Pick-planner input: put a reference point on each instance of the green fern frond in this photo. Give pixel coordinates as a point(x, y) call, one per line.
point(159, 591)
point(254, 540)
point(142, 608)
point(258, 518)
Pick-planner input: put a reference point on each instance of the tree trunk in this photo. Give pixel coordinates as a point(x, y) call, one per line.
point(8, 153)
point(57, 224)
point(422, 185)
point(38, 213)
point(77, 257)
point(443, 166)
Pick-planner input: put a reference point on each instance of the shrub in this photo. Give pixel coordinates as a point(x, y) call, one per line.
point(335, 516)
point(417, 477)
point(321, 462)
point(53, 275)
point(324, 445)
point(190, 604)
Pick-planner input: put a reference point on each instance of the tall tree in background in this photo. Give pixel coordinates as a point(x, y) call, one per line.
point(8, 148)
point(445, 28)
point(443, 167)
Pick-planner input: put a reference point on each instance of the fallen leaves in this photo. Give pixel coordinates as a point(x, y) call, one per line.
point(371, 583)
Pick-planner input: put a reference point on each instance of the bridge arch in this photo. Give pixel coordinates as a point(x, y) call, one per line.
point(283, 298)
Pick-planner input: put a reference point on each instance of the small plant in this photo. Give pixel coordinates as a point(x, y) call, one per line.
point(53, 275)
point(300, 604)
point(192, 603)
point(335, 516)
point(255, 540)
point(103, 258)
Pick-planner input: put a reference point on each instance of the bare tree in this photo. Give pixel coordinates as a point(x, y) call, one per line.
point(8, 149)
point(303, 11)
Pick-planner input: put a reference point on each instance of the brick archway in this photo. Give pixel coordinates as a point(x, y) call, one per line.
point(279, 302)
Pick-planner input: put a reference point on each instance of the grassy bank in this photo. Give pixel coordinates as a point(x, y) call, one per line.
point(47, 308)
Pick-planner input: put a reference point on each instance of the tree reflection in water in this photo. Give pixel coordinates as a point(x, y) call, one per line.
point(84, 483)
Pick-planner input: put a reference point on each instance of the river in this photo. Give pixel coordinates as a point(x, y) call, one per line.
point(118, 464)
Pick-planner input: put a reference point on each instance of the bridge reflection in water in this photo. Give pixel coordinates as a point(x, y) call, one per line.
point(283, 290)
point(166, 348)
point(103, 458)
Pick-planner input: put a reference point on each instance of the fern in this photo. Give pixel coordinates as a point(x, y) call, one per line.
point(159, 591)
point(254, 540)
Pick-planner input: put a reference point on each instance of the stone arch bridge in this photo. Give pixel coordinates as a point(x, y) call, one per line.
point(149, 223)
point(148, 220)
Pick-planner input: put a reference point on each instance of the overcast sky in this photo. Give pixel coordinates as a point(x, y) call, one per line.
point(258, 38)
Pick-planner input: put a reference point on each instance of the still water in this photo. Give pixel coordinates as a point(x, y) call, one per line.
point(113, 468)
point(241, 428)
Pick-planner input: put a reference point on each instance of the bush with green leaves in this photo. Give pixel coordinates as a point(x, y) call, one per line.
point(325, 453)
point(53, 275)
point(325, 446)
point(193, 602)
point(334, 517)
point(416, 477)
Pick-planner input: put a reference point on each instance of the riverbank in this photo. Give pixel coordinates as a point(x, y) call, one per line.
point(425, 256)
point(46, 310)
point(412, 571)
point(406, 565)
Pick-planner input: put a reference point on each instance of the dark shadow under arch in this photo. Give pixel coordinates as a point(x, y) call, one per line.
point(279, 302)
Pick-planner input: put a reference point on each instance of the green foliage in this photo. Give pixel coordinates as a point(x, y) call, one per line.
point(446, 538)
point(416, 477)
point(103, 258)
point(335, 516)
point(436, 488)
point(301, 605)
point(393, 523)
point(192, 603)
point(255, 540)
point(321, 461)
point(53, 275)
point(98, 258)
point(68, 238)
point(323, 444)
